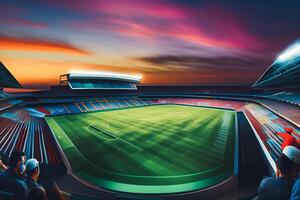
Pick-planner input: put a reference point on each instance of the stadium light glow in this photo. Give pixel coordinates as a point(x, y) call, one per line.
point(104, 74)
point(290, 53)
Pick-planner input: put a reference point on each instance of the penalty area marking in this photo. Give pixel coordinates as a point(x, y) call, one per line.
point(112, 136)
point(103, 134)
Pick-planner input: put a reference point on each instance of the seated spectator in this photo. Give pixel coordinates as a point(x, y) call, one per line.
point(280, 187)
point(296, 191)
point(288, 138)
point(36, 191)
point(3, 167)
point(12, 180)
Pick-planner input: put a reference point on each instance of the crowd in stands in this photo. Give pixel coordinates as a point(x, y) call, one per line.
point(90, 104)
point(267, 124)
point(218, 103)
point(19, 180)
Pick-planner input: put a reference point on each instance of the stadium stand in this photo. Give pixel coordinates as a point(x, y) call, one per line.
point(4, 95)
point(19, 130)
point(9, 103)
point(90, 104)
point(267, 124)
point(209, 102)
point(285, 110)
point(292, 97)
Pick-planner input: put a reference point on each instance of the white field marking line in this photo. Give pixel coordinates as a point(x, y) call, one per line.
point(223, 130)
point(108, 126)
point(92, 131)
point(236, 145)
point(124, 140)
point(79, 152)
point(130, 144)
point(63, 132)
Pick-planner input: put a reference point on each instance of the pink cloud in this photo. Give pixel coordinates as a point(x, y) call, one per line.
point(206, 26)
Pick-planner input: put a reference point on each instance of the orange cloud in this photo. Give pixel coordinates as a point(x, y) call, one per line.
point(31, 44)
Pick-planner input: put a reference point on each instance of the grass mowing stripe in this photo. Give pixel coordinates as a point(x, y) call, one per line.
point(181, 144)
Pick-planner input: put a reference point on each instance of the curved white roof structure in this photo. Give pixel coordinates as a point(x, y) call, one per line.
point(285, 70)
point(104, 76)
point(100, 80)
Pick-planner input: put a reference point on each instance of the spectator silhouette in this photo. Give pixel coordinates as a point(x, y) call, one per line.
point(36, 191)
point(280, 187)
point(12, 180)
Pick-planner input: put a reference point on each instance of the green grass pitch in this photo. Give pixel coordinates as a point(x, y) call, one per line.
point(151, 149)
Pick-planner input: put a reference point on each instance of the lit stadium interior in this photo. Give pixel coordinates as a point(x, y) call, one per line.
point(101, 134)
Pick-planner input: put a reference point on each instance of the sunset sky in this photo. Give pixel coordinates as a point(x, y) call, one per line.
point(167, 42)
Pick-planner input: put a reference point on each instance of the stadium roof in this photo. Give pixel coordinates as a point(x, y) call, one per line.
point(285, 71)
point(100, 80)
point(7, 80)
point(104, 76)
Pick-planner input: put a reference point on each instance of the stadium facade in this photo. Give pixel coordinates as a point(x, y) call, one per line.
point(285, 71)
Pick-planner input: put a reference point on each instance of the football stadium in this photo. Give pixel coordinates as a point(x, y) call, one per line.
point(149, 100)
point(102, 135)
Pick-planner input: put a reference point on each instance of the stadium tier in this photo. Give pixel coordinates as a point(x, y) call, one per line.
point(292, 97)
point(5, 104)
point(90, 104)
point(20, 130)
point(267, 124)
point(4, 95)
